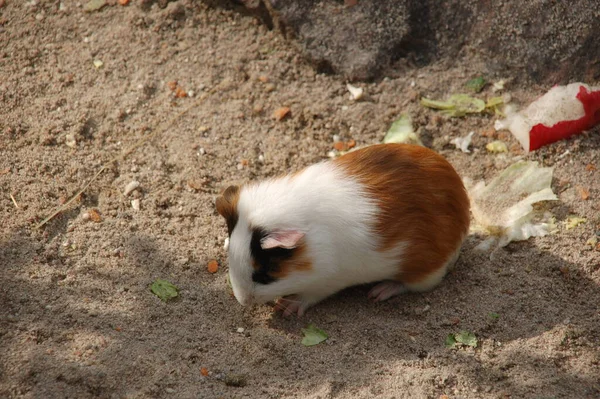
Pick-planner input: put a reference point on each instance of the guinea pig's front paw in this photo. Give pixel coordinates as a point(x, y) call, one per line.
point(292, 304)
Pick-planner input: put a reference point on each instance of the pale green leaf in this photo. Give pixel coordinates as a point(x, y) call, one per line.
point(94, 5)
point(466, 338)
point(164, 289)
point(313, 335)
point(436, 104)
point(574, 221)
point(402, 131)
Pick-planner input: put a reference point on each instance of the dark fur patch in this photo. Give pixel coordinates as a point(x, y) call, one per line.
point(266, 262)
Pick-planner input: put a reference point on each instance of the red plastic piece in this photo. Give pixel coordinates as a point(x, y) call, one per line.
point(541, 134)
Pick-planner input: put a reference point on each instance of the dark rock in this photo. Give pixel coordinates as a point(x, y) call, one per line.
point(545, 40)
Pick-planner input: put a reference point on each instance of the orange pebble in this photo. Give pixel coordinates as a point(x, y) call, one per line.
point(123, 2)
point(180, 93)
point(281, 113)
point(213, 266)
point(172, 85)
point(204, 371)
point(339, 146)
point(351, 143)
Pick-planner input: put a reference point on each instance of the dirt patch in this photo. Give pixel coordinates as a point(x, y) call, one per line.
point(77, 318)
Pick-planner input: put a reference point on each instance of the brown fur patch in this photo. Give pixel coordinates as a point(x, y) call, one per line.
point(299, 261)
point(422, 199)
point(227, 206)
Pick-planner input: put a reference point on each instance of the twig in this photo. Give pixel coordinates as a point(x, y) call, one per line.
point(121, 157)
point(14, 201)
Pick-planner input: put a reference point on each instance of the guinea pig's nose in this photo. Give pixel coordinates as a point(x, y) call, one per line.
point(245, 300)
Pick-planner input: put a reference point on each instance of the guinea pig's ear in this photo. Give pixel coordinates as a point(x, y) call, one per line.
point(287, 239)
point(227, 206)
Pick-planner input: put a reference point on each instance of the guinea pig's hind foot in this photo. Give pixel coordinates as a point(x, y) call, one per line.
point(386, 289)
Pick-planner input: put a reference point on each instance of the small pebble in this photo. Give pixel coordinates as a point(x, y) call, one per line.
point(130, 187)
point(240, 330)
point(226, 244)
point(261, 158)
point(135, 204)
point(336, 138)
point(70, 141)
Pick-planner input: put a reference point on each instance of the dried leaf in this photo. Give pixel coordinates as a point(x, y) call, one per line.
point(95, 215)
point(164, 289)
point(584, 193)
point(313, 335)
point(590, 167)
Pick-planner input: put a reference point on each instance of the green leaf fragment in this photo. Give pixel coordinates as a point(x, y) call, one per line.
point(164, 289)
point(493, 316)
point(494, 102)
point(450, 341)
point(457, 105)
point(476, 84)
point(313, 335)
point(94, 5)
point(467, 103)
point(402, 131)
point(574, 221)
point(497, 146)
point(464, 338)
point(436, 104)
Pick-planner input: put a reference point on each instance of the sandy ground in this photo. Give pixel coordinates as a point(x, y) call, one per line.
point(77, 318)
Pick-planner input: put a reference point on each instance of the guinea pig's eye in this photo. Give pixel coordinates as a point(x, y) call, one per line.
point(268, 264)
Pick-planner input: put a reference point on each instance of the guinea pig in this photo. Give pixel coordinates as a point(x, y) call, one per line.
point(395, 214)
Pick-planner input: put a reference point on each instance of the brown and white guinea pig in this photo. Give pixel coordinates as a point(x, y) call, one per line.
point(390, 213)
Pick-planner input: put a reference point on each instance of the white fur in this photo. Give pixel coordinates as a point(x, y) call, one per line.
point(337, 216)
